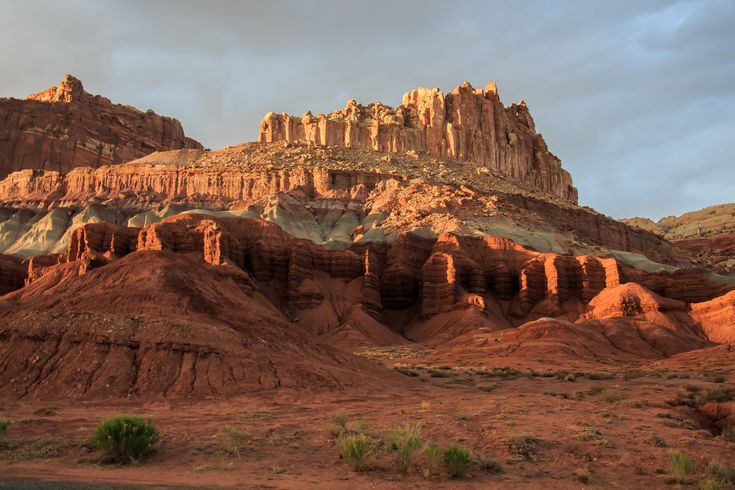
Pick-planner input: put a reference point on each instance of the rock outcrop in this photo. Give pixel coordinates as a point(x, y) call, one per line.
point(467, 124)
point(65, 127)
point(333, 206)
point(431, 274)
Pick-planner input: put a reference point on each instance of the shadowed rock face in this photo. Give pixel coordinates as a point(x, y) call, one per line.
point(467, 125)
point(65, 127)
point(181, 287)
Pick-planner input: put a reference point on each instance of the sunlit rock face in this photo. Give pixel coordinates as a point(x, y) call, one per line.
point(65, 127)
point(467, 124)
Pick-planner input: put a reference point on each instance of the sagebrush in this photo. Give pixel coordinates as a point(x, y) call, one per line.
point(126, 439)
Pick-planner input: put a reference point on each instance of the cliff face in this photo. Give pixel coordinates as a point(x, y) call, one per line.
point(324, 204)
point(466, 125)
point(65, 127)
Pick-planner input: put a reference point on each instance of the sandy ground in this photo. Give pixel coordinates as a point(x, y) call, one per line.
point(615, 433)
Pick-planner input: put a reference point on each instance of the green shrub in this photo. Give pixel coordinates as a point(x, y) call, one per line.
point(356, 450)
point(681, 464)
point(709, 484)
point(716, 474)
point(3, 426)
point(405, 440)
point(125, 438)
point(433, 461)
point(234, 439)
point(457, 461)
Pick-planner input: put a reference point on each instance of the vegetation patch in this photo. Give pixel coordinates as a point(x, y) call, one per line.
point(681, 464)
point(234, 440)
point(457, 461)
point(126, 439)
point(523, 448)
point(432, 455)
point(594, 436)
point(406, 371)
point(404, 440)
point(37, 448)
point(356, 450)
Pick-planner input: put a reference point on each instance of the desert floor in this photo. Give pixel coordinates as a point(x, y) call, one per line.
point(611, 427)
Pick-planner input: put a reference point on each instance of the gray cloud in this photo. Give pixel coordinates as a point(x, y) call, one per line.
point(636, 97)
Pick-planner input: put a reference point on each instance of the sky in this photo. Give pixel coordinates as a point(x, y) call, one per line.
point(637, 97)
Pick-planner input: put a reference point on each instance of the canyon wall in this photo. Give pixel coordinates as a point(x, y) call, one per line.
point(436, 275)
point(65, 127)
point(147, 185)
point(466, 124)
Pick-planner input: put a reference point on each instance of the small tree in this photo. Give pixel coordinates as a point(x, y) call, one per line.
point(125, 438)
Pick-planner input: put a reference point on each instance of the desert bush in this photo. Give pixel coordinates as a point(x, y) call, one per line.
point(439, 374)
point(610, 396)
point(3, 426)
point(356, 450)
point(340, 422)
point(406, 371)
point(405, 440)
point(709, 484)
point(720, 394)
point(725, 474)
point(681, 464)
point(234, 440)
point(523, 447)
point(125, 438)
point(457, 461)
point(599, 376)
point(633, 375)
point(489, 465)
point(432, 461)
point(504, 372)
point(593, 435)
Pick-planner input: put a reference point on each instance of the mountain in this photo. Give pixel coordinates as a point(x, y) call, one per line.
point(65, 127)
point(425, 265)
point(708, 235)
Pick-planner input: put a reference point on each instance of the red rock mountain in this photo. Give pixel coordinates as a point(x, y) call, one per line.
point(467, 124)
point(193, 273)
point(65, 127)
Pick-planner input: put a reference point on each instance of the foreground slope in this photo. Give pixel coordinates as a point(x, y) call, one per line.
point(159, 324)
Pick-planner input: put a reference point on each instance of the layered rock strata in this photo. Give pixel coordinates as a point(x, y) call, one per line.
point(65, 127)
point(433, 274)
point(363, 192)
point(467, 124)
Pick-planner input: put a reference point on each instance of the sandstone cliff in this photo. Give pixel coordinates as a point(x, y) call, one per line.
point(329, 207)
point(466, 124)
point(65, 127)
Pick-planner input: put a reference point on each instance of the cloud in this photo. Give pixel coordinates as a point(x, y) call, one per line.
point(634, 97)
